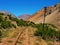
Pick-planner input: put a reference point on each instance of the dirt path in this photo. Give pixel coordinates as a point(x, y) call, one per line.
point(26, 34)
point(6, 39)
point(17, 38)
point(29, 39)
point(5, 42)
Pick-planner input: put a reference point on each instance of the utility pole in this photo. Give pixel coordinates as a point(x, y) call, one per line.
point(44, 16)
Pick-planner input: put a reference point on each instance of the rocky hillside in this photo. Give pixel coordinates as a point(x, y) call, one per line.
point(52, 15)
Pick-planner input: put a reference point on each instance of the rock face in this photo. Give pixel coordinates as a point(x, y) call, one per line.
point(52, 15)
point(24, 17)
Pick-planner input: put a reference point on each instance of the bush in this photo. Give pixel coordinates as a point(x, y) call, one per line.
point(1, 13)
point(7, 24)
point(31, 24)
point(0, 36)
point(1, 19)
point(58, 35)
point(12, 18)
point(0, 27)
point(47, 33)
point(13, 25)
point(19, 23)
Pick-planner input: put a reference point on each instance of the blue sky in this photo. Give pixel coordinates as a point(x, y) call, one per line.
point(19, 7)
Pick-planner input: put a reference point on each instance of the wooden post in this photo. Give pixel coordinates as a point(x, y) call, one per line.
point(44, 16)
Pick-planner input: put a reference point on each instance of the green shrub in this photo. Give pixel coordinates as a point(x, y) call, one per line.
point(13, 26)
point(7, 24)
point(1, 19)
point(1, 13)
point(12, 18)
point(10, 41)
point(48, 32)
point(0, 36)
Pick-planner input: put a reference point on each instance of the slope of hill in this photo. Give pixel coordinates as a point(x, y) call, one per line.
point(52, 15)
point(36, 15)
point(7, 13)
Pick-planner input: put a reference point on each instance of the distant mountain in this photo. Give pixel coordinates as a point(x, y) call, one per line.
point(52, 15)
point(24, 17)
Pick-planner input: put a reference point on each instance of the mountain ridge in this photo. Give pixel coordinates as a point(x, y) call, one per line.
point(24, 17)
